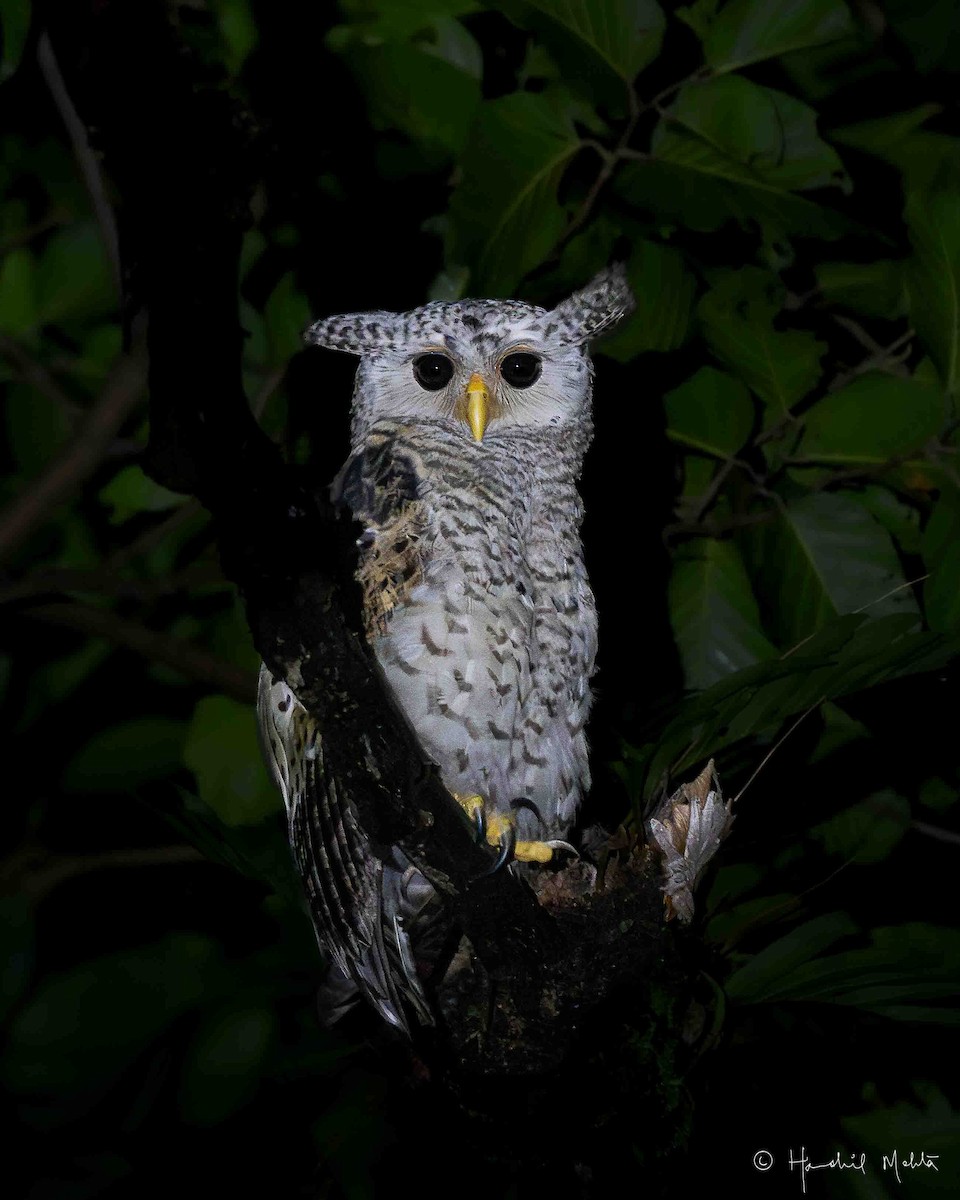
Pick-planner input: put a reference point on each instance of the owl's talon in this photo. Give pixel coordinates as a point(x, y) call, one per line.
point(500, 831)
point(523, 802)
point(565, 847)
point(507, 843)
point(473, 806)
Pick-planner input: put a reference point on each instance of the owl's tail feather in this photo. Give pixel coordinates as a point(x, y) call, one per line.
point(364, 909)
point(395, 988)
point(367, 906)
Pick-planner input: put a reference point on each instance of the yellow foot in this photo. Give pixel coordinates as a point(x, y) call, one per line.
point(473, 807)
point(500, 830)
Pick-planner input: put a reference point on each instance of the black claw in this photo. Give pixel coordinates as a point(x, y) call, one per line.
point(529, 805)
point(505, 854)
point(480, 824)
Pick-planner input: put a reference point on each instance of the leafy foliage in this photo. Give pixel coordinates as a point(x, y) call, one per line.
point(783, 183)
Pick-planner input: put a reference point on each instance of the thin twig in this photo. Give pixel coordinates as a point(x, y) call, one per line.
point(901, 587)
point(710, 495)
point(23, 237)
point(890, 359)
point(77, 461)
point(155, 535)
point(934, 831)
point(106, 582)
point(83, 152)
point(184, 657)
point(267, 388)
point(34, 872)
point(714, 528)
point(586, 207)
point(38, 377)
point(620, 152)
point(777, 744)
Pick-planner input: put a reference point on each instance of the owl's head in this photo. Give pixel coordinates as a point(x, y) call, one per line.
point(486, 366)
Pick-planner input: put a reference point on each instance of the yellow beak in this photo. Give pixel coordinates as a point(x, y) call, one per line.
point(478, 406)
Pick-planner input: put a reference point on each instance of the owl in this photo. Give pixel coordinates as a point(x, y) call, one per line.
point(470, 421)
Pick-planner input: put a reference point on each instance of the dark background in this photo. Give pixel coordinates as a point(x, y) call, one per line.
point(159, 974)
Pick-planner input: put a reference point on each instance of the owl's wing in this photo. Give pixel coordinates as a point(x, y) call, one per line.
point(361, 905)
point(379, 487)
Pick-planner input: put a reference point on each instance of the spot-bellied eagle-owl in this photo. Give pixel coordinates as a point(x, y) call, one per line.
point(469, 425)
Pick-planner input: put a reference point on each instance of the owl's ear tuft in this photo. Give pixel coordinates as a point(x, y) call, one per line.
point(355, 333)
point(597, 308)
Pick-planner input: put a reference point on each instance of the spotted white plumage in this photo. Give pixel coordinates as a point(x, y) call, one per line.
point(470, 422)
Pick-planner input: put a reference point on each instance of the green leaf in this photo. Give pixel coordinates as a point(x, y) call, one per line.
point(928, 161)
point(74, 281)
point(847, 655)
point(769, 133)
point(871, 420)
point(938, 795)
point(504, 214)
point(18, 293)
point(780, 367)
point(698, 474)
point(839, 730)
point(730, 883)
point(125, 756)
point(89, 1023)
point(14, 28)
point(664, 289)
point(868, 831)
point(713, 613)
point(456, 45)
point(411, 88)
point(260, 851)
point(879, 135)
point(17, 950)
point(286, 314)
point(36, 427)
point(596, 41)
point(933, 278)
point(941, 556)
point(55, 681)
point(825, 555)
point(875, 289)
point(905, 965)
point(901, 521)
point(689, 180)
point(730, 925)
point(927, 1119)
point(130, 492)
point(223, 752)
point(749, 31)
point(238, 29)
point(711, 411)
point(223, 1066)
point(762, 977)
point(929, 31)
point(394, 20)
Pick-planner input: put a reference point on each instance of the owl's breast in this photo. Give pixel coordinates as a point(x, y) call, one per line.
point(481, 616)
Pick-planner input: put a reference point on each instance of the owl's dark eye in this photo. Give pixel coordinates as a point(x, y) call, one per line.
point(433, 371)
point(520, 370)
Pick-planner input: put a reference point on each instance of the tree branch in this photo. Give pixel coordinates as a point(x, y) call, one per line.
point(182, 155)
point(192, 661)
point(77, 461)
point(83, 152)
point(34, 871)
